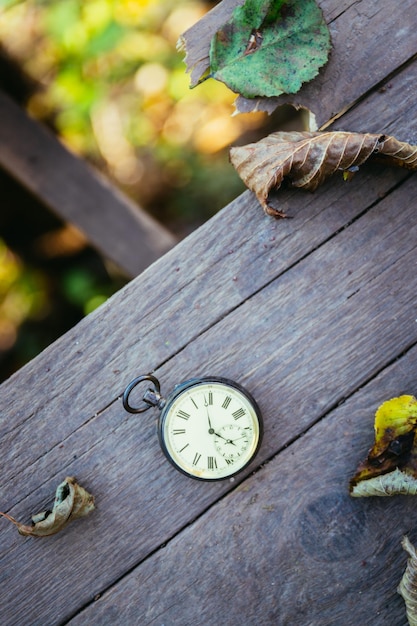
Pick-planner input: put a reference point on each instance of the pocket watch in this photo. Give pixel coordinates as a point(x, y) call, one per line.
point(209, 428)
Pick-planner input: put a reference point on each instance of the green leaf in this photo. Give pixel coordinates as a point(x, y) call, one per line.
point(270, 47)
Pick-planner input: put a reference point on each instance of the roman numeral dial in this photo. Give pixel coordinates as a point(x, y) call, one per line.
point(210, 428)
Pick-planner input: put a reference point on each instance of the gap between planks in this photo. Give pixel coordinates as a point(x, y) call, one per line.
point(320, 418)
point(230, 311)
point(239, 483)
point(301, 258)
point(370, 92)
point(288, 268)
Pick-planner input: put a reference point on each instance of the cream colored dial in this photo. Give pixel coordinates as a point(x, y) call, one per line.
point(210, 428)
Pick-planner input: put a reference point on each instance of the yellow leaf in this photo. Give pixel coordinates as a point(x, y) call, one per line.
point(391, 465)
point(396, 416)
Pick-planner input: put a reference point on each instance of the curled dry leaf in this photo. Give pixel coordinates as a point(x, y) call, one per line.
point(306, 159)
point(71, 501)
point(391, 465)
point(408, 585)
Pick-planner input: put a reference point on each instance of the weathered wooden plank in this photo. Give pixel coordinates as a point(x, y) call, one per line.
point(270, 304)
point(295, 351)
point(239, 243)
point(196, 40)
point(263, 247)
point(120, 230)
point(366, 47)
point(289, 546)
point(154, 317)
point(389, 109)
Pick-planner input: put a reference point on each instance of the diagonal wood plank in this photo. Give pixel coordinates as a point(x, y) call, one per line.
point(90, 365)
point(304, 312)
point(289, 546)
point(120, 230)
point(358, 60)
point(240, 243)
point(303, 360)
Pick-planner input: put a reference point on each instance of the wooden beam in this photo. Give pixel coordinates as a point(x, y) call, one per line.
point(316, 316)
point(315, 333)
point(357, 62)
point(118, 228)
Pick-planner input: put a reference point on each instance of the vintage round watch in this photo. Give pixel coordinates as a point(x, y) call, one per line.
point(209, 428)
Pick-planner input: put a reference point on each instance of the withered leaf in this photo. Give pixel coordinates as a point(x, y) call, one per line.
point(391, 465)
point(71, 502)
point(408, 585)
point(306, 159)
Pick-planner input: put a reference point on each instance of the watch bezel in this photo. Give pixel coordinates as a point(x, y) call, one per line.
point(194, 382)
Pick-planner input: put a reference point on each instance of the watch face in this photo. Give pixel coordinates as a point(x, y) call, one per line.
point(210, 428)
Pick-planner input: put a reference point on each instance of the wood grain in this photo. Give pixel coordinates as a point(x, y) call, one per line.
point(289, 546)
point(239, 243)
point(120, 230)
point(302, 361)
point(358, 60)
point(165, 309)
point(316, 316)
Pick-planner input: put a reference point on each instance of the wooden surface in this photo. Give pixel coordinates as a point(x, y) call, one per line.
point(316, 315)
point(361, 36)
point(120, 230)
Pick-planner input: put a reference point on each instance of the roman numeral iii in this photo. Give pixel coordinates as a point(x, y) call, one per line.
point(226, 402)
point(211, 463)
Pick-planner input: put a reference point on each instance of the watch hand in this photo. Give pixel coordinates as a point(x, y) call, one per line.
point(237, 439)
point(211, 430)
point(225, 438)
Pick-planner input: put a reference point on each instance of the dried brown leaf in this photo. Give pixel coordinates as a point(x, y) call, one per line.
point(71, 502)
point(408, 585)
point(306, 159)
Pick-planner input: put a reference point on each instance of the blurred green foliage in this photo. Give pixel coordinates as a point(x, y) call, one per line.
point(115, 88)
point(113, 85)
point(22, 295)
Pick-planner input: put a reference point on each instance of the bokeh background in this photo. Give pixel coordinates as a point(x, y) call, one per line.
point(108, 78)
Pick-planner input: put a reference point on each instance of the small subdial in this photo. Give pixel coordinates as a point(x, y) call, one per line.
point(232, 441)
